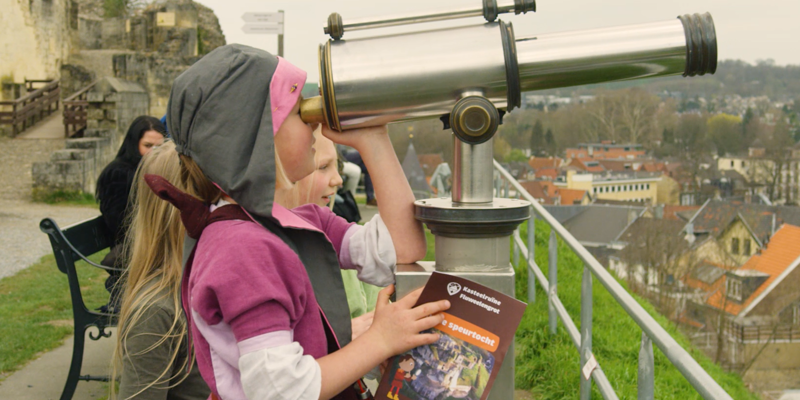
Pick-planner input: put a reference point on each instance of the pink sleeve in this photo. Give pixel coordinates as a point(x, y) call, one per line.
point(247, 280)
point(334, 226)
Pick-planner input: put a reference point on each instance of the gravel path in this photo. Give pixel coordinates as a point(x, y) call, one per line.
point(21, 241)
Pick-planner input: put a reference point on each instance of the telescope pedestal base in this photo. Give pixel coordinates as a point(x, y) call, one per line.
point(413, 276)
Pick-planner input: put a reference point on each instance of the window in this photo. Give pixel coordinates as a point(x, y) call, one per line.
point(594, 190)
point(734, 288)
point(746, 247)
point(735, 246)
point(613, 189)
point(648, 186)
point(731, 163)
point(630, 187)
point(743, 164)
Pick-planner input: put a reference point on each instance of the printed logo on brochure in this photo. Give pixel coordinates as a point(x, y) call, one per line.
point(453, 288)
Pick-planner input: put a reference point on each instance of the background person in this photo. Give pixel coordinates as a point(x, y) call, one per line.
point(114, 187)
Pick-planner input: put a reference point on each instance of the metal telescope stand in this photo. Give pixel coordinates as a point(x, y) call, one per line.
point(472, 229)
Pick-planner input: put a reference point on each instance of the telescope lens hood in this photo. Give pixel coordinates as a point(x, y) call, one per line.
point(701, 44)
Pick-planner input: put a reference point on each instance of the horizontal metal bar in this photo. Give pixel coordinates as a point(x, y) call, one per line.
point(705, 385)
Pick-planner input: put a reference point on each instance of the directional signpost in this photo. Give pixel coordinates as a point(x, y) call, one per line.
point(265, 23)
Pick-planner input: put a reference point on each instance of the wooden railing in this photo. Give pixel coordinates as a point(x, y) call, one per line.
point(75, 111)
point(25, 111)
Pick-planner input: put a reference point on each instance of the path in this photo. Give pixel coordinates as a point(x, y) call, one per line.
point(21, 241)
point(44, 378)
point(51, 127)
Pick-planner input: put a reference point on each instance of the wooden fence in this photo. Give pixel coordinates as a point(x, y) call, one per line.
point(27, 110)
point(75, 111)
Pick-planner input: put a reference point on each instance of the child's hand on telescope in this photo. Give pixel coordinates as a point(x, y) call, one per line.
point(360, 139)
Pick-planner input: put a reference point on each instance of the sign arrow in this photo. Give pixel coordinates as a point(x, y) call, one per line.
point(263, 17)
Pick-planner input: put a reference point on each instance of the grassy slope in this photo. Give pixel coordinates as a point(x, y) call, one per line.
point(549, 366)
point(36, 310)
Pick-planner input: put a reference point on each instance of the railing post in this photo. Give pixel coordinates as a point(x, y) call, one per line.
point(505, 188)
point(552, 274)
point(497, 185)
point(646, 369)
point(531, 248)
point(586, 331)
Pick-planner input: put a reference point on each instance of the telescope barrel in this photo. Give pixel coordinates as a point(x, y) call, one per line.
point(377, 80)
point(682, 46)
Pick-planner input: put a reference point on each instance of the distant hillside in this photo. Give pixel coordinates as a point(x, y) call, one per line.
point(732, 77)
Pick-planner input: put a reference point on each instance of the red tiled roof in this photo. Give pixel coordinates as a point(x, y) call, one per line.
point(780, 253)
point(670, 212)
point(581, 164)
point(539, 190)
point(544, 162)
point(571, 196)
point(549, 173)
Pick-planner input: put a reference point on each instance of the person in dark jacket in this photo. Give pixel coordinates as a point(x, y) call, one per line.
point(114, 186)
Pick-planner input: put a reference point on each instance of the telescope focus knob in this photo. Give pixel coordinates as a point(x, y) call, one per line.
point(474, 119)
point(335, 26)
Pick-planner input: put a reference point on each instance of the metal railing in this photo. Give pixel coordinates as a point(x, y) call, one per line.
point(75, 111)
point(27, 110)
point(652, 332)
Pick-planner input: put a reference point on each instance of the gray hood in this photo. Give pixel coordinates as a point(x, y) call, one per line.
point(219, 115)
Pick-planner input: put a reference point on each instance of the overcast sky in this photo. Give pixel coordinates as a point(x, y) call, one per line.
point(746, 30)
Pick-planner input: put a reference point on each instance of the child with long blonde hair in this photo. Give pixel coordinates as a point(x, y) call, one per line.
point(152, 354)
point(262, 288)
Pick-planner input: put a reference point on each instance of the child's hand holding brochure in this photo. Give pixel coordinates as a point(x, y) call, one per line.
point(463, 363)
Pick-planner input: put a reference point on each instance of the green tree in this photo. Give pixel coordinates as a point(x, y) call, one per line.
point(116, 8)
point(550, 142)
point(537, 138)
point(724, 130)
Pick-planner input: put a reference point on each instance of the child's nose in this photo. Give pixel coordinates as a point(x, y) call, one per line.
point(336, 180)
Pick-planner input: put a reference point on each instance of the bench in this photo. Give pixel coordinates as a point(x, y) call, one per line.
point(76, 242)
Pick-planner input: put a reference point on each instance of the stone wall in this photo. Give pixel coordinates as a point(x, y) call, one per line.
point(37, 37)
point(113, 105)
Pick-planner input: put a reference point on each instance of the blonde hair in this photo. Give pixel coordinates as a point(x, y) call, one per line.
point(153, 251)
point(193, 177)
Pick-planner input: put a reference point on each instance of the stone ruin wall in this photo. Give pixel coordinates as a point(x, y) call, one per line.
point(113, 105)
point(135, 60)
point(36, 41)
point(151, 48)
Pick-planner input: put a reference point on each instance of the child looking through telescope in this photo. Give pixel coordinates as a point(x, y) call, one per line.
point(261, 287)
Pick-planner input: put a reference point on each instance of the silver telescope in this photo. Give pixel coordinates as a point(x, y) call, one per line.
point(377, 80)
point(469, 77)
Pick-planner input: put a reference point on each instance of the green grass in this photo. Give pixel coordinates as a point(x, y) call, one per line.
point(65, 197)
point(36, 310)
point(548, 366)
